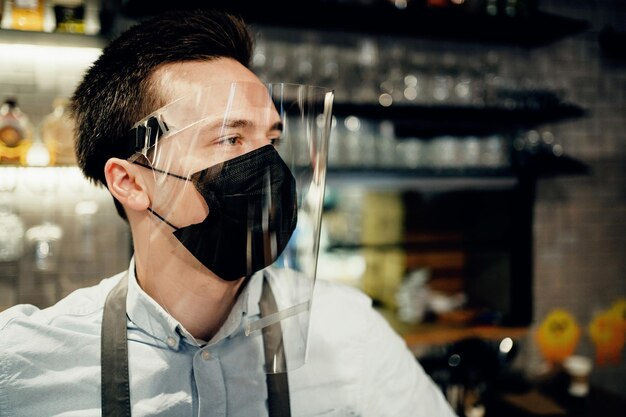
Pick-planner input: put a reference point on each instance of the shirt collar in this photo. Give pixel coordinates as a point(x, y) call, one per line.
point(149, 316)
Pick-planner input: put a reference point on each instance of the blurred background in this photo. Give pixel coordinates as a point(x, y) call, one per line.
point(476, 187)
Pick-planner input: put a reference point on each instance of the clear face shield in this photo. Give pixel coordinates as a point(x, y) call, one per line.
point(236, 174)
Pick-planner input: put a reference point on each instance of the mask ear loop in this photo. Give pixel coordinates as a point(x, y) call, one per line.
point(162, 219)
point(160, 171)
point(146, 135)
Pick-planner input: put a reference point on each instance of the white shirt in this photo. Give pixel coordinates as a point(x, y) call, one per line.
point(357, 365)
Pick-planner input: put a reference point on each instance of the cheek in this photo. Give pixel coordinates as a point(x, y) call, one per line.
point(193, 208)
point(210, 156)
point(180, 203)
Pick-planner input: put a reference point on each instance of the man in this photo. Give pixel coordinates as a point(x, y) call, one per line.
point(186, 139)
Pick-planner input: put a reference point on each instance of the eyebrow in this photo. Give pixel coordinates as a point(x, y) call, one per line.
point(236, 123)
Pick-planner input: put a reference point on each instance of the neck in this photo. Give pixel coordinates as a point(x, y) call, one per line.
point(201, 302)
point(195, 297)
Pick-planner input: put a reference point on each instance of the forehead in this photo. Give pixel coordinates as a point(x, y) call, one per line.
point(178, 79)
point(218, 88)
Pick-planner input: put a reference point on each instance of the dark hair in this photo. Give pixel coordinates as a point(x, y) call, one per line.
point(116, 91)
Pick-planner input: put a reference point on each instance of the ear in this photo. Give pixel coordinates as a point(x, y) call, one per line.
point(126, 185)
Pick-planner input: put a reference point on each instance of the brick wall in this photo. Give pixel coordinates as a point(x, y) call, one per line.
point(93, 242)
point(580, 222)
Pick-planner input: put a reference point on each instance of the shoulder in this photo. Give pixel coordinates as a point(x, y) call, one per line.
point(329, 291)
point(344, 316)
point(368, 356)
point(24, 320)
point(35, 344)
point(339, 306)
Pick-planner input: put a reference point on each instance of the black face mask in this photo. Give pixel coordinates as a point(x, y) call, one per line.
point(252, 214)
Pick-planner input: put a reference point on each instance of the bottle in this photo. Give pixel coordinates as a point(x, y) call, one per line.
point(11, 236)
point(15, 133)
point(11, 229)
point(69, 15)
point(57, 132)
point(5, 16)
point(37, 154)
point(27, 14)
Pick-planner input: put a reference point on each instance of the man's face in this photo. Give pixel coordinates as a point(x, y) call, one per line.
point(214, 121)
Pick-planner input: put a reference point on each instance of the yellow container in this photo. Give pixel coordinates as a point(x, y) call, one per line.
point(383, 218)
point(27, 14)
point(384, 272)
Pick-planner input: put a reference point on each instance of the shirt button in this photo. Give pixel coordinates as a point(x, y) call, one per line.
point(171, 342)
point(206, 355)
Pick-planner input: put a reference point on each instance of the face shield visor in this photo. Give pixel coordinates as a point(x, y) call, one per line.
point(236, 178)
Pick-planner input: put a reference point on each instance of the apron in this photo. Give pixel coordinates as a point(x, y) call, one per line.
point(114, 356)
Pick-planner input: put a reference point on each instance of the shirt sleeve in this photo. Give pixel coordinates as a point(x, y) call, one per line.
point(4, 407)
point(6, 317)
point(394, 383)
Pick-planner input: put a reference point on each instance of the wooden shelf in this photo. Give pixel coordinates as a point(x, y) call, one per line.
point(430, 334)
point(545, 164)
point(427, 121)
point(383, 18)
point(426, 179)
point(537, 163)
point(23, 37)
point(613, 44)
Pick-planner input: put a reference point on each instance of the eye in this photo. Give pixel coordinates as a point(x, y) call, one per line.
point(229, 141)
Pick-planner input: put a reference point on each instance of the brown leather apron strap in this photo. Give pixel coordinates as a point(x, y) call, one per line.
point(114, 354)
point(277, 384)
